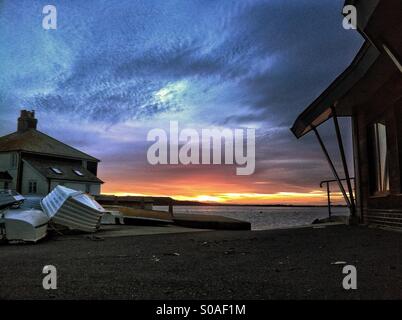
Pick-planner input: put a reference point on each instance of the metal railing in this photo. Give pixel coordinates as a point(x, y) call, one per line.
point(328, 185)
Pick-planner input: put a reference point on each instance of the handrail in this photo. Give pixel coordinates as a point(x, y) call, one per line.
point(328, 182)
point(325, 181)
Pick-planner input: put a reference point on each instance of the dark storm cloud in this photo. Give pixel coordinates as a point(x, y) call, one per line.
point(309, 49)
point(230, 63)
point(264, 52)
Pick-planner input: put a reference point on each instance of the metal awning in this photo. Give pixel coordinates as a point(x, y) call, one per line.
point(369, 71)
point(327, 106)
point(365, 9)
point(321, 109)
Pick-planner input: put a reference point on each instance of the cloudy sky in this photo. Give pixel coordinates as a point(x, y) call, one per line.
point(113, 70)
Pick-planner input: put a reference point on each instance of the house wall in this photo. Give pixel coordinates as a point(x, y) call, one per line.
point(30, 174)
point(6, 165)
point(5, 184)
point(385, 209)
point(94, 188)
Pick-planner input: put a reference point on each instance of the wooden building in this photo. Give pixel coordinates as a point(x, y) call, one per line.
point(370, 92)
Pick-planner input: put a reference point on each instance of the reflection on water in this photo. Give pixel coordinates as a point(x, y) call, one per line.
point(262, 218)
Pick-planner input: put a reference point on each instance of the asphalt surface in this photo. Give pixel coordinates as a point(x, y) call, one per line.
point(281, 264)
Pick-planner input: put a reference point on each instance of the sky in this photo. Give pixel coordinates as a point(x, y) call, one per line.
point(114, 70)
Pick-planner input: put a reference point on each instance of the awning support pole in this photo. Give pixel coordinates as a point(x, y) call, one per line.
point(324, 149)
point(344, 163)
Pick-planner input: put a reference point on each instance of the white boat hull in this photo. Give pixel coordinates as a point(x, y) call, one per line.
point(72, 209)
point(10, 198)
point(112, 217)
point(23, 225)
point(32, 203)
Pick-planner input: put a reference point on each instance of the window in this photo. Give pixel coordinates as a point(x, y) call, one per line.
point(379, 170)
point(88, 188)
point(6, 185)
point(78, 173)
point(56, 170)
point(13, 160)
point(92, 167)
point(33, 187)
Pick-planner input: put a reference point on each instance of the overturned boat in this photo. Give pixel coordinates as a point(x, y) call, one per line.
point(141, 217)
point(32, 202)
point(72, 209)
point(112, 217)
point(23, 225)
point(9, 198)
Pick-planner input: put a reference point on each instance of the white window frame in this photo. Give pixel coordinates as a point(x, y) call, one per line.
point(78, 173)
point(380, 170)
point(56, 170)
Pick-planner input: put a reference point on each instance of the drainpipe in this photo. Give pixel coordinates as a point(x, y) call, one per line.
point(18, 185)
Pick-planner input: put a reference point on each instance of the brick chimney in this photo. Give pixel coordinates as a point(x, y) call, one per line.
point(27, 121)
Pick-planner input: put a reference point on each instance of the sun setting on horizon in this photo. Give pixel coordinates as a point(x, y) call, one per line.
point(195, 158)
point(316, 197)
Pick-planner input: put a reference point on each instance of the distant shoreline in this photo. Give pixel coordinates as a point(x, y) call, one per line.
point(197, 204)
point(166, 201)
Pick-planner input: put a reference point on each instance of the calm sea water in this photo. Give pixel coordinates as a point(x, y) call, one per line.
point(262, 218)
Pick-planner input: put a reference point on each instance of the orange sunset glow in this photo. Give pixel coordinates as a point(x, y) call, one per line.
point(212, 184)
point(314, 197)
point(215, 67)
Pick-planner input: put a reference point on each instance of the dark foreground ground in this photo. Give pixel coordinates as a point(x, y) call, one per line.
point(282, 264)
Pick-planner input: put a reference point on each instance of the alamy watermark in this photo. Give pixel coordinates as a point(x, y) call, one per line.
point(188, 146)
point(350, 20)
point(49, 282)
point(49, 21)
point(350, 280)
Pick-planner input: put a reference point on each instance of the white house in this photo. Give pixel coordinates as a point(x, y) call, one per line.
point(32, 163)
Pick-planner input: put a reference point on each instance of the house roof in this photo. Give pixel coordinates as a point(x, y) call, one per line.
point(4, 175)
point(66, 168)
point(34, 141)
point(320, 110)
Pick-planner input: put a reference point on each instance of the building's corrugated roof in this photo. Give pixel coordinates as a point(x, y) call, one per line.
point(66, 167)
point(4, 175)
point(34, 141)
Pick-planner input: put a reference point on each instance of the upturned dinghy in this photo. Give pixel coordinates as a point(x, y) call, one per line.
point(9, 198)
point(73, 209)
point(141, 217)
point(23, 225)
point(32, 202)
point(112, 217)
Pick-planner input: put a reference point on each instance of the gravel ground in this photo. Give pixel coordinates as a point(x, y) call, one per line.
point(279, 264)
